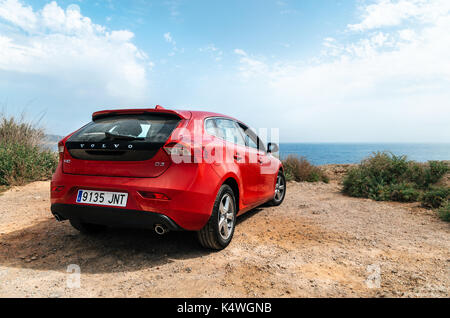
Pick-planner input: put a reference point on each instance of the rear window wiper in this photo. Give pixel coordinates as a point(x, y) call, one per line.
point(122, 137)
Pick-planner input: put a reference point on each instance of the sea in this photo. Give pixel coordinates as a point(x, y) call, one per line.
point(345, 153)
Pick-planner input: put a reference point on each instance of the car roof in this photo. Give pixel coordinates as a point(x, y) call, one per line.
point(185, 114)
point(202, 115)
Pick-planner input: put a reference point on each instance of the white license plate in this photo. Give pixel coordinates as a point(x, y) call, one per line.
point(102, 198)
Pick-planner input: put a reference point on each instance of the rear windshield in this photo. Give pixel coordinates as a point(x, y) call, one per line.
point(154, 128)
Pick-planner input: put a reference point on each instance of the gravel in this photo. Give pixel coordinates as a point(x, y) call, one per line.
point(319, 243)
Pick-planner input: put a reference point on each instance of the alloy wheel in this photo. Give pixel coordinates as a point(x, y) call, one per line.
point(279, 188)
point(226, 216)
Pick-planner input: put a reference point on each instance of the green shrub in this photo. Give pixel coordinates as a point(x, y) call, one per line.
point(22, 159)
point(404, 193)
point(425, 176)
point(386, 177)
point(444, 212)
point(435, 198)
point(379, 192)
point(356, 183)
point(301, 170)
point(435, 172)
point(418, 175)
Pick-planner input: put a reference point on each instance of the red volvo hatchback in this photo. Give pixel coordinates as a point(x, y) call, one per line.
point(164, 170)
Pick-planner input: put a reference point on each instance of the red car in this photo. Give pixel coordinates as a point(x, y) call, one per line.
point(165, 170)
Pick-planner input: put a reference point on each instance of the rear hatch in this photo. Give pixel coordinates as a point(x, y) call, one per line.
point(121, 144)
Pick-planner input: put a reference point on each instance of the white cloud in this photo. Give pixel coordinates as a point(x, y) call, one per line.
point(389, 85)
point(240, 52)
point(18, 14)
point(384, 13)
point(173, 6)
point(65, 46)
point(213, 51)
point(168, 38)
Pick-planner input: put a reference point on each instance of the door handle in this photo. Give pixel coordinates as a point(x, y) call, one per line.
point(260, 161)
point(237, 157)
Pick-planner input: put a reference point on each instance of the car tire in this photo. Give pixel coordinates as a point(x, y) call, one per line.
point(218, 232)
point(280, 190)
point(87, 228)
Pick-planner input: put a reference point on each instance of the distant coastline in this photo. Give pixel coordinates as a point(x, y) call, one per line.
point(351, 153)
point(342, 153)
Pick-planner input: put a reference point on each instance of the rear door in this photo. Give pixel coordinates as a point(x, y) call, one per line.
point(126, 145)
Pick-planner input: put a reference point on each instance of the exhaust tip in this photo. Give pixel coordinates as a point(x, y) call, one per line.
point(160, 229)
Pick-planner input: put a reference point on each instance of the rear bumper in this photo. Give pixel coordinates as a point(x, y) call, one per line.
point(191, 197)
point(113, 217)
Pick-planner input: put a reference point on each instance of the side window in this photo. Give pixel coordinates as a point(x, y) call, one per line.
point(228, 131)
point(210, 127)
point(251, 139)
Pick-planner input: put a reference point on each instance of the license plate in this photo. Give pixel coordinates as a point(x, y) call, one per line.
point(102, 198)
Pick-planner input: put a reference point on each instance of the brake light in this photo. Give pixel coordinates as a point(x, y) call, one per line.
point(61, 150)
point(178, 149)
point(153, 195)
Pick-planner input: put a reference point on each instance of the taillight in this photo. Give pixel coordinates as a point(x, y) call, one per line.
point(180, 152)
point(61, 150)
point(178, 149)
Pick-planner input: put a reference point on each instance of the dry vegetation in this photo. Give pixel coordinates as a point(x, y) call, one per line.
point(22, 159)
point(301, 170)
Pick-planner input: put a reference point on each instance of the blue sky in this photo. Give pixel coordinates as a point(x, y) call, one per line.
point(321, 71)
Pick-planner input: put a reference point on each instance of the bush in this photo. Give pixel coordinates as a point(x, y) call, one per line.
point(426, 175)
point(301, 170)
point(386, 177)
point(435, 172)
point(435, 198)
point(403, 193)
point(22, 159)
point(444, 212)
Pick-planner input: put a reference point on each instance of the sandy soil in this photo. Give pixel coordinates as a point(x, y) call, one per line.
point(319, 243)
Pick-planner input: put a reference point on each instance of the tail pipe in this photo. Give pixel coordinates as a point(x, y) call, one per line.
point(161, 229)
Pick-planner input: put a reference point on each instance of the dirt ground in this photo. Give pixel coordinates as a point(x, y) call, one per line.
point(319, 243)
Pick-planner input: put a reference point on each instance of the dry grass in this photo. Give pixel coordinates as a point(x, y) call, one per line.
point(22, 159)
point(301, 170)
point(20, 131)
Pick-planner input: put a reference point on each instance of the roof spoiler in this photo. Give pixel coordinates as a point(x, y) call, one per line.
point(158, 109)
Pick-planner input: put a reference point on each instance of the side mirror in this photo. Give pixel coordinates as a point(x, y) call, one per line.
point(272, 147)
